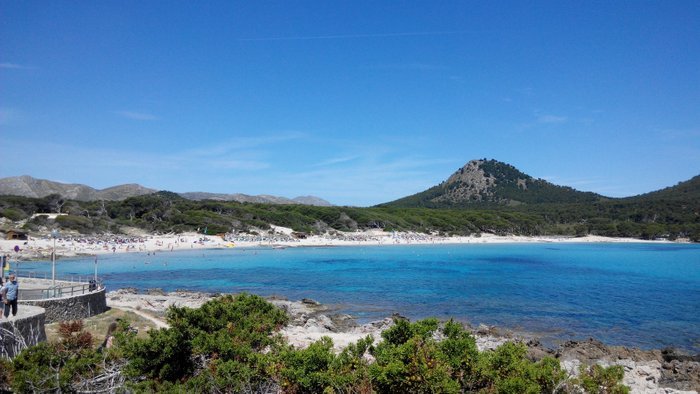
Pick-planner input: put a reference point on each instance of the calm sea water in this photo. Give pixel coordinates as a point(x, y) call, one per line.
point(644, 295)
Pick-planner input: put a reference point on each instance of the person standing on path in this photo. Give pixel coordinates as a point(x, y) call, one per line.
point(9, 293)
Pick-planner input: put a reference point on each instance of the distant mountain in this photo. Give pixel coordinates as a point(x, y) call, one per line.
point(28, 186)
point(262, 199)
point(491, 182)
point(312, 200)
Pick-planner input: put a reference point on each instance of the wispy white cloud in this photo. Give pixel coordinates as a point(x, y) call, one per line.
point(236, 144)
point(336, 160)
point(15, 66)
point(133, 115)
point(250, 165)
point(551, 119)
point(371, 179)
point(414, 66)
point(174, 170)
point(351, 36)
point(358, 175)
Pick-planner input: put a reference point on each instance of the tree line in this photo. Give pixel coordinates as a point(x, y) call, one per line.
point(166, 212)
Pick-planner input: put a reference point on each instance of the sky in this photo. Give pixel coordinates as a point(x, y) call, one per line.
point(357, 102)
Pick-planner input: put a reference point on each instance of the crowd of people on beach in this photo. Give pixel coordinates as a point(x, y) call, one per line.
point(331, 237)
point(261, 239)
point(42, 248)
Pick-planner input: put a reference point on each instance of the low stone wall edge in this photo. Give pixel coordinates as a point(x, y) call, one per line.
point(72, 308)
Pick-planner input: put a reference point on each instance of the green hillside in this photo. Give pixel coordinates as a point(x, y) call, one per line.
point(687, 191)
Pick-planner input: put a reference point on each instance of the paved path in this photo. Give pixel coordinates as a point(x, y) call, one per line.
point(23, 311)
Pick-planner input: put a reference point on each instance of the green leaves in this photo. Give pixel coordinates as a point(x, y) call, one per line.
point(596, 379)
point(230, 345)
point(228, 332)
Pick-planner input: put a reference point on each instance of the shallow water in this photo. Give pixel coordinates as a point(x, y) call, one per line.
point(644, 295)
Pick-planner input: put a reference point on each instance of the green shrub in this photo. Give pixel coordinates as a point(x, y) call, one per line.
point(165, 355)
point(13, 214)
point(5, 369)
point(461, 354)
point(55, 367)
point(598, 379)
point(228, 334)
point(409, 360)
point(230, 345)
point(78, 223)
point(308, 370)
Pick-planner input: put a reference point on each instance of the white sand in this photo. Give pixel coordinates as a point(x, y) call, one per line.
point(41, 248)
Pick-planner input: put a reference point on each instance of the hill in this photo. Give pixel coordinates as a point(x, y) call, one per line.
point(27, 186)
point(259, 199)
point(687, 191)
point(491, 182)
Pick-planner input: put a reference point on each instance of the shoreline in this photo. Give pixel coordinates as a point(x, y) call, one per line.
point(278, 237)
point(647, 371)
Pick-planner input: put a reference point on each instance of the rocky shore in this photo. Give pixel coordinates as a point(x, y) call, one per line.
point(646, 371)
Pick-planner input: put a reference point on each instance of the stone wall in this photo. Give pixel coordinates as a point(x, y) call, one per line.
point(72, 308)
point(27, 329)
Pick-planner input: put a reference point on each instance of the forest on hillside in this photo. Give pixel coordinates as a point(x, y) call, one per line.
point(166, 212)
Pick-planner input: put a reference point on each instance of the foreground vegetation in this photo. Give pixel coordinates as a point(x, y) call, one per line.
point(663, 215)
point(230, 345)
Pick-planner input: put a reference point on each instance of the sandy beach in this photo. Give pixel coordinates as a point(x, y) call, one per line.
point(68, 245)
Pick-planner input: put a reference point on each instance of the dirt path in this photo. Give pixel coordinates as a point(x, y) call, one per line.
point(158, 322)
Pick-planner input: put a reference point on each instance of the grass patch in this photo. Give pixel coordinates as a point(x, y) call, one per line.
point(97, 325)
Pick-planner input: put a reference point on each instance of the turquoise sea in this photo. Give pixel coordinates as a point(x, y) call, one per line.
point(643, 294)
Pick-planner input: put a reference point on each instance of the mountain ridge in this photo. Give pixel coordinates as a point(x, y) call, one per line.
point(28, 186)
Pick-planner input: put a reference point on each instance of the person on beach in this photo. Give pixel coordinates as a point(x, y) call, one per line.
point(9, 293)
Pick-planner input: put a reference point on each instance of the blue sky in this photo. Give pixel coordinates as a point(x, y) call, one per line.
point(356, 102)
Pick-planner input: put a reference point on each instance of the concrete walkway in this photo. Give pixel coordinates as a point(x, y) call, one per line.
point(23, 312)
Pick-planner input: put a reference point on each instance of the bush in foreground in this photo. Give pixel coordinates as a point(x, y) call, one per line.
point(230, 345)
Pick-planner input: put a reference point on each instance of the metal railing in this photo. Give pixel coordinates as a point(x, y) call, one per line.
point(62, 278)
point(57, 292)
point(60, 290)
